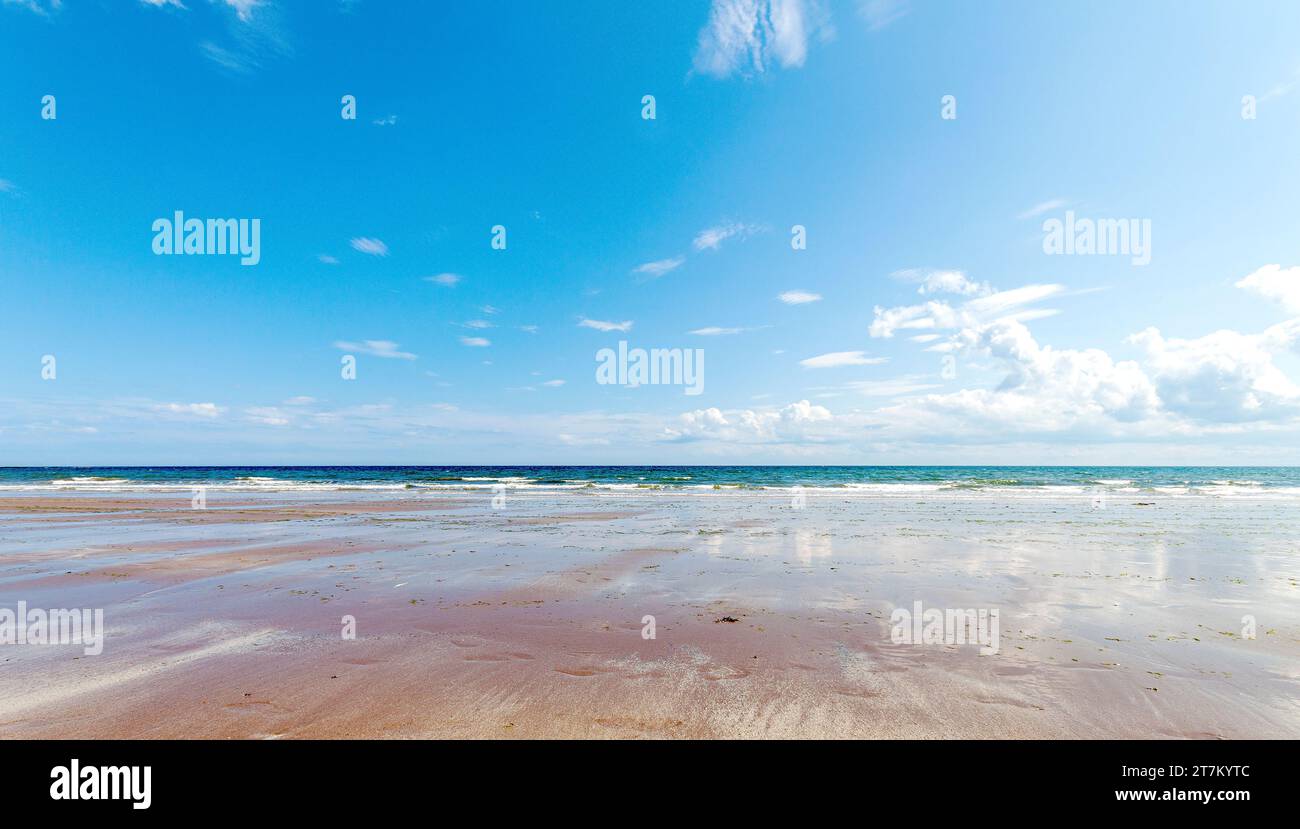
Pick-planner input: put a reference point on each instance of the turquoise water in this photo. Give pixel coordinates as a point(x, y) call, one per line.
point(1189, 479)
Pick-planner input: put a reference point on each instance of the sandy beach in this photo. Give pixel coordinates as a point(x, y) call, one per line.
point(527, 618)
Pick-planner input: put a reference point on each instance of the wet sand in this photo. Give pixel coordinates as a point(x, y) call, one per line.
point(527, 621)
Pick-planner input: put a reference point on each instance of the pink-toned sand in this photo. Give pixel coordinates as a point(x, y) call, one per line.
point(528, 621)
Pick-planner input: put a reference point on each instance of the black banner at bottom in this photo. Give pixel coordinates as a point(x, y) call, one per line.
point(140, 779)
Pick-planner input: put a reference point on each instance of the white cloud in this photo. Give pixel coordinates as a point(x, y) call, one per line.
point(270, 415)
point(836, 359)
point(374, 247)
point(479, 324)
point(553, 383)
point(715, 331)
point(475, 342)
point(326, 259)
point(244, 8)
point(656, 269)
point(942, 282)
point(1041, 208)
point(226, 58)
point(449, 280)
point(880, 13)
point(750, 35)
point(937, 314)
point(602, 325)
point(890, 388)
point(1046, 390)
point(386, 121)
point(712, 238)
point(1276, 283)
point(376, 348)
point(205, 410)
point(795, 422)
point(798, 297)
point(36, 6)
point(1225, 376)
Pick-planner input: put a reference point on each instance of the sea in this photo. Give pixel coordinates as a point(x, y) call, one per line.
point(902, 480)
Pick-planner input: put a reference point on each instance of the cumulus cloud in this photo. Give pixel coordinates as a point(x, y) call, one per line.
point(795, 422)
point(1225, 376)
point(1276, 283)
point(942, 282)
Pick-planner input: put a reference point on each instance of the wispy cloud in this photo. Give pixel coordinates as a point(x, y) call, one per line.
point(713, 237)
point(1042, 207)
point(36, 6)
point(243, 8)
point(376, 348)
point(836, 359)
point(386, 121)
point(602, 325)
point(656, 269)
point(326, 259)
point(374, 247)
point(750, 36)
point(449, 280)
point(715, 331)
point(938, 314)
point(880, 13)
point(475, 342)
point(7, 186)
point(253, 36)
point(799, 297)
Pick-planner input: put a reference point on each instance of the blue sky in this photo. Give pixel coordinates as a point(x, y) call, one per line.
point(941, 331)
